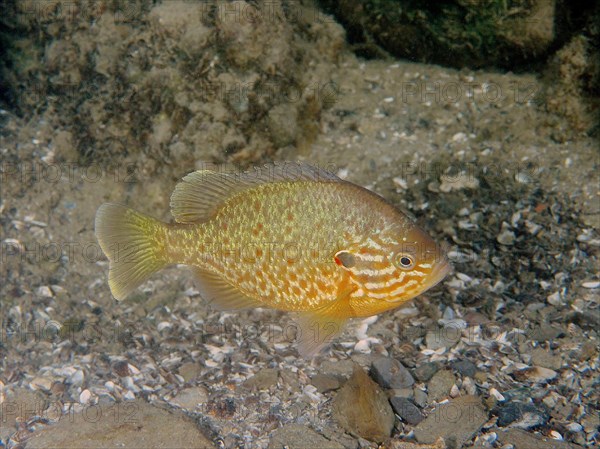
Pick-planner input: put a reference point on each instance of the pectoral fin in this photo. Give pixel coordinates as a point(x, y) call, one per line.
point(315, 332)
point(318, 328)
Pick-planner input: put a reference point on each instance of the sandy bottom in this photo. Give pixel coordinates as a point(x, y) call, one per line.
point(468, 154)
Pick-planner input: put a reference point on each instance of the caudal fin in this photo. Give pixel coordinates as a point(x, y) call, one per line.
point(132, 242)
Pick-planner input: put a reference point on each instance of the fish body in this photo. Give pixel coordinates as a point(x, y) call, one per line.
point(286, 236)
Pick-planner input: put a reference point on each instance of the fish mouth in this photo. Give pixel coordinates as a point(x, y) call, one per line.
point(440, 271)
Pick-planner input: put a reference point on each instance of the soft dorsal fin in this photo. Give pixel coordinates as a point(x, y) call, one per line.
point(198, 196)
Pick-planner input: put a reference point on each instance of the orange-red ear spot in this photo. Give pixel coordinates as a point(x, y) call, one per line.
point(345, 259)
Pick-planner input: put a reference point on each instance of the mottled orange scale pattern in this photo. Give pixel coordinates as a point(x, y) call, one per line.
point(265, 242)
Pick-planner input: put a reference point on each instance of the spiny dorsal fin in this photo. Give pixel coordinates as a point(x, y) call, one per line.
point(198, 196)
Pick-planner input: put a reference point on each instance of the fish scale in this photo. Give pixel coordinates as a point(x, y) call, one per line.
point(295, 270)
point(297, 240)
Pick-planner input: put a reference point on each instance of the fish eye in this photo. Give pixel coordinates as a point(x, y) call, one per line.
point(405, 261)
point(345, 259)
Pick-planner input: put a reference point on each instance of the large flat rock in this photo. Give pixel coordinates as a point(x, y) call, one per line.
point(522, 439)
point(127, 424)
point(297, 436)
point(456, 422)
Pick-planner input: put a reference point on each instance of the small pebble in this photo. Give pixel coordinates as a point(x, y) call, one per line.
point(58, 388)
point(440, 385)
point(469, 386)
point(77, 378)
point(407, 393)
point(325, 383)
point(420, 397)
point(425, 371)
point(523, 416)
point(454, 391)
point(555, 435)
point(465, 367)
point(407, 410)
point(163, 325)
point(85, 397)
point(574, 427)
point(264, 379)
point(535, 374)
point(400, 183)
point(341, 369)
point(506, 237)
point(44, 291)
point(444, 337)
point(523, 178)
point(129, 396)
point(41, 383)
point(190, 398)
point(496, 394)
point(545, 359)
point(390, 373)
point(121, 368)
point(591, 284)
point(190, 371)
point(555, 299)
point(546, 333)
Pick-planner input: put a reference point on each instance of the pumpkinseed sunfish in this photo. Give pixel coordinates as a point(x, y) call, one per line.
point(287, 236)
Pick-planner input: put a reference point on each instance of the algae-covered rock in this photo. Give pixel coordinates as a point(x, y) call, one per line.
point(182, 81)
point(455, 33)
point(572, 85)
